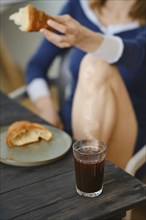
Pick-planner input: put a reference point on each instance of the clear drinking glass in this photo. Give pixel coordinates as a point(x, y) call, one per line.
point(89, 157)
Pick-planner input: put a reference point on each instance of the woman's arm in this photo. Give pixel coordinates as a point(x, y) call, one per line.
point(107, 48)
point(72, 34)
point(36, 77)
point(47, 110)
point(128, 53)
point(37, 83)
point(45, 54)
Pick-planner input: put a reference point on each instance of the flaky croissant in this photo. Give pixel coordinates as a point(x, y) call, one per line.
point(30, 19)
point(21, 133)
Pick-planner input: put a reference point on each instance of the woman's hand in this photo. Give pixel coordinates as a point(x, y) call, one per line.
point(72, 33)
point(47, 110)
point(69, 29)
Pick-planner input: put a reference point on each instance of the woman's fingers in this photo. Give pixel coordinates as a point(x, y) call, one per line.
point(63, 19)
point(51, 36)
point(63, 23)
point(59, 40)
point(67, 31)
point(70, 26)
point(57, 26)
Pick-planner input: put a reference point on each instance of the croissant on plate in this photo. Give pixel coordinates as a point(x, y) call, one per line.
point(30, 19)
point(21, 133)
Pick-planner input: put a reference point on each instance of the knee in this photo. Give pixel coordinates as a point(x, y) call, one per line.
point(95, 71)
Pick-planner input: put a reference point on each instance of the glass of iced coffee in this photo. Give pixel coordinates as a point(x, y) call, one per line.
point(89, 157)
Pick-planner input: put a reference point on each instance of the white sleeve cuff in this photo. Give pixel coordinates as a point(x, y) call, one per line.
point(110, 50)
point(38, 88)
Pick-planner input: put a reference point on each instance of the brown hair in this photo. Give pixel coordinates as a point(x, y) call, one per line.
point(137, 12)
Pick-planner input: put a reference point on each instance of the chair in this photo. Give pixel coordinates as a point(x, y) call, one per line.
point(137, 161)
point(61, 82)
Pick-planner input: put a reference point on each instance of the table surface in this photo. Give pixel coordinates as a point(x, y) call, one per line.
point(48, 191)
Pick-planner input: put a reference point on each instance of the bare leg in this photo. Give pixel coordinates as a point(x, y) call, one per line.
point(102, 109)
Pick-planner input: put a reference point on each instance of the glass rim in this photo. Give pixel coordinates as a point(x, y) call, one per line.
point(99, 143)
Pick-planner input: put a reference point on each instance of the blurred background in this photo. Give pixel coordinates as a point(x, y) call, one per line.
point(17, 47)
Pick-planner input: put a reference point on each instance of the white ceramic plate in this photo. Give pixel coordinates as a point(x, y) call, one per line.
point(37, 153)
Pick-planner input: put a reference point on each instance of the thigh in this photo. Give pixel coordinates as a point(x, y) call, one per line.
point(123, 139)
point(122, 129)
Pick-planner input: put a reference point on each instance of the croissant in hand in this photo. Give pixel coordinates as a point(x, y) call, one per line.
point(30, 19)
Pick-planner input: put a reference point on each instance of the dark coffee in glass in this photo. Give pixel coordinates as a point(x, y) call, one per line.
point(89, 156)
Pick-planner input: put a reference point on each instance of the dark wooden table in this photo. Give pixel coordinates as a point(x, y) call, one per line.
point(48, 191)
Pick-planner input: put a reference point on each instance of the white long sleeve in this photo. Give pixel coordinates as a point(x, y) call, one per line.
point(110, 50)
point(37, 88)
